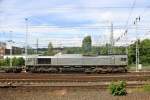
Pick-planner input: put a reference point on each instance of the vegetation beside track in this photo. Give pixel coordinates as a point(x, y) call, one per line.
point(118, 88)
point(15, 62)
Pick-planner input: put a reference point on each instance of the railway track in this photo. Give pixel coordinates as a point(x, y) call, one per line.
point(133, 79)
point(46, 76)
point(46, 83)
point(72, 80)
point(37, 83)
point(85, 79)
point(78, 77)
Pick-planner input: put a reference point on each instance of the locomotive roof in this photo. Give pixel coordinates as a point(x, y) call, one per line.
point(76, 56)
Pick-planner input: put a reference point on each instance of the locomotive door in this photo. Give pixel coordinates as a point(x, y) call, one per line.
point(112, 60)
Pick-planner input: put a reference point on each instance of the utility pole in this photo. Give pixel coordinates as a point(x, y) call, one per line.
point(126, 43)
point(137, 45)
point(26, 45)
point(127, 52)
point(111, 39)
point(37, 45)
point(10, 49)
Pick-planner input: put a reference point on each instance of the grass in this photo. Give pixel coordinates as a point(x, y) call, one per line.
point(144, 67)
point(144, 88)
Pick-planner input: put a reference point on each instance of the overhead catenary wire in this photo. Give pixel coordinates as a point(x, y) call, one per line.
point(139, 28)
point(88, 7)
point(80, 7)
point(126, 25)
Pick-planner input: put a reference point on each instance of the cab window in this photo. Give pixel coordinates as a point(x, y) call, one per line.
point(123, 59)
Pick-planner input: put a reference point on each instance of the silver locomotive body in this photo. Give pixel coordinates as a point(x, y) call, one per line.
point(77, 63)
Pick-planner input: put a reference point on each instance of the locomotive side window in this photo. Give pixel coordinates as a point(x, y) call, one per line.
point(44, 60)
point(123, 59)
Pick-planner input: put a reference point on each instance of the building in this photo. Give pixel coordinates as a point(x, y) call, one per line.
point(2, 52)
point(5, 50)
point(15, 50)
point(2, 49)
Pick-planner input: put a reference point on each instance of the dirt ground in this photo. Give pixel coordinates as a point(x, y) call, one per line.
point(49, 93)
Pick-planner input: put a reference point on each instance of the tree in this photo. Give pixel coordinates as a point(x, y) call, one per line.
point(15, 61)
point(50, 49)
point(87, 44)
point(21, 61)
point(30, 50)
point(144, 49)
point(2, 62)
point(7, 61)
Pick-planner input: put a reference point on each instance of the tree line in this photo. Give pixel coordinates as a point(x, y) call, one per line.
point(88, 50)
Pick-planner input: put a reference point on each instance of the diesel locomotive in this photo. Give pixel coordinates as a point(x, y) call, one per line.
point(72, 63)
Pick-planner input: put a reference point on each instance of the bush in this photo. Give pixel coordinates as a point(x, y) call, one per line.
point(2, 62)
point(18, 61)
point(118, 88)
point(15, 62)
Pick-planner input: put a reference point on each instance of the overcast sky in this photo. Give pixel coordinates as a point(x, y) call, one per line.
point(66, 22)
